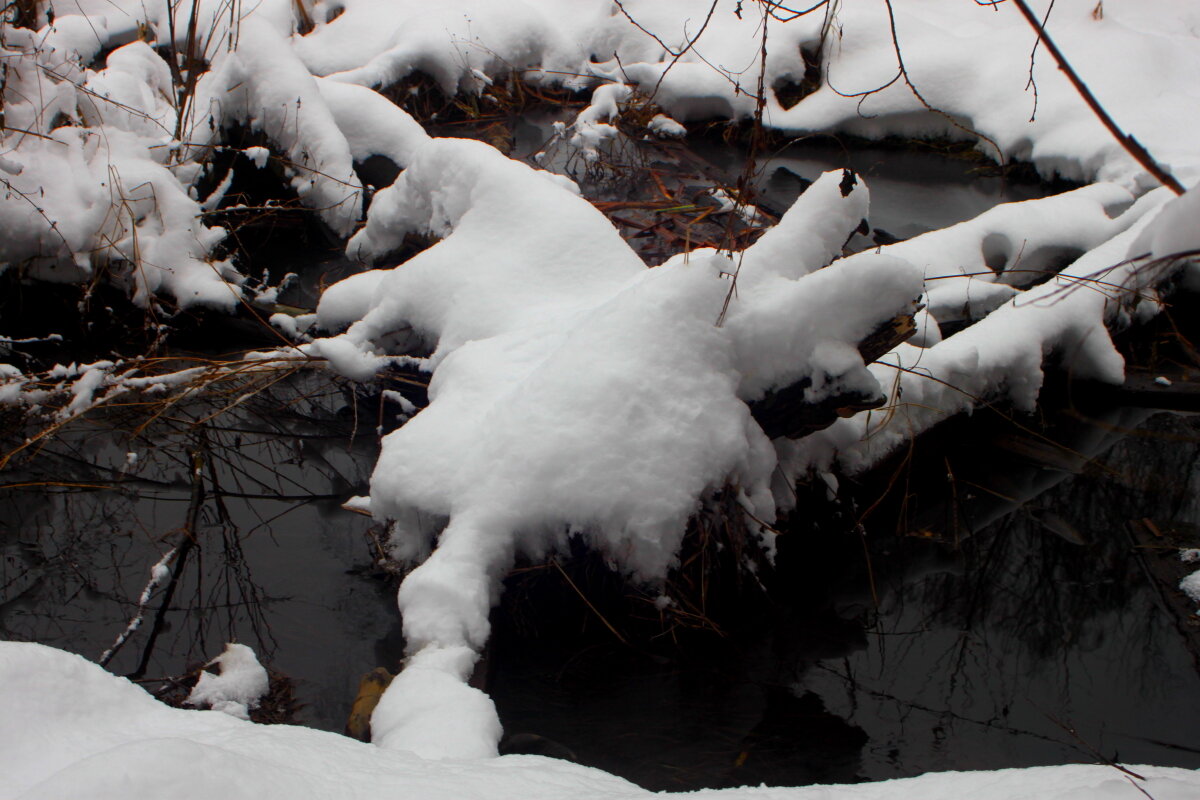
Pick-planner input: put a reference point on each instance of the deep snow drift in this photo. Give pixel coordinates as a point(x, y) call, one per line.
point(574, 391)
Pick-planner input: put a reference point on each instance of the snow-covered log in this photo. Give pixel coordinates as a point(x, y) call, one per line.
point(575, 392)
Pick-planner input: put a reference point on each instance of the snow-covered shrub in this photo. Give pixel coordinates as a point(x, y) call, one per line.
point(106, 139)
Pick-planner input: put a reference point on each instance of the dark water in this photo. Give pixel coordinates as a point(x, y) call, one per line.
point(1037, 638)
point(999, 604)
point(983, 632)
point(277, 564)
point(912, 191)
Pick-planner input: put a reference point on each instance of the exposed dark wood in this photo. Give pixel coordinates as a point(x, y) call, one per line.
point(1173, 390)
point(788, 413)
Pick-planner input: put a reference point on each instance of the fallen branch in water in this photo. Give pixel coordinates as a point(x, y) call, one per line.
point(162, 571)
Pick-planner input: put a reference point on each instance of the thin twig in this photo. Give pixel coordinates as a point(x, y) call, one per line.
point(187, 541)
point(588, 602)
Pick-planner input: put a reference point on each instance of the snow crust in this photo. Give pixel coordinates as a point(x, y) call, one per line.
point(73, 730)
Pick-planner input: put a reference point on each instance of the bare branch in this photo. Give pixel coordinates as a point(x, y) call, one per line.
point(1131, 145)
point(1032, 84)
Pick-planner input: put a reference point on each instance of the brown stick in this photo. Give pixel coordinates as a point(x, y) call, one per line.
point(1131, 145)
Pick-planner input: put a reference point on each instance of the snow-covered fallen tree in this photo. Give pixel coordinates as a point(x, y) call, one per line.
point(575, 391)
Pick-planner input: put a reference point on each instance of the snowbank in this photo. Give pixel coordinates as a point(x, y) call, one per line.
point(697, 64)
point(70, 729)
point(105, 146)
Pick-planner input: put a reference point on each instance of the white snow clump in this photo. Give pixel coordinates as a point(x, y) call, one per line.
point(237, 689)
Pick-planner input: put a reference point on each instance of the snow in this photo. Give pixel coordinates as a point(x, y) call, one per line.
point(237, 688)
point(160, 573)
point(1002, 355)
point(258, 155)
point(1175, 230)
point(105, 195)
point(975, 266)
point(574, 391)
point(72, 729)
point(108, 177)
point(91, 377)
point(662, 125)
point(591, 128)
point(1190, 585)
point(271, 90)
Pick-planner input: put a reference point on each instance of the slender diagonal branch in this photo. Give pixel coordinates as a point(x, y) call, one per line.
point(1131, 145)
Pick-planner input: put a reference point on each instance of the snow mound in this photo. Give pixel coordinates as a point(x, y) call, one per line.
point(238, 688)
point(73, 730)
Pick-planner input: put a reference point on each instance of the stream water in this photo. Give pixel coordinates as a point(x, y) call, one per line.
point(999, 614)
point(1037, 638)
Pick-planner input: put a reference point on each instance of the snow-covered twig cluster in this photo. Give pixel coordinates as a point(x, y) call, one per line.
point(63, 393)
point(159, 574)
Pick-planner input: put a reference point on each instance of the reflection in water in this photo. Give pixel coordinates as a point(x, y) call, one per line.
point(912, 192)
point(1043, 623)
point(980, 635)
point(1007, 600)
point(266, 563)
point(708, 720)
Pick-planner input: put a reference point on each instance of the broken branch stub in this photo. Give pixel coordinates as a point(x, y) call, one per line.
point(786, 412)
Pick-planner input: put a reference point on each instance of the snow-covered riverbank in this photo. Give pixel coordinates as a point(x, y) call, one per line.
point(69, 729)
